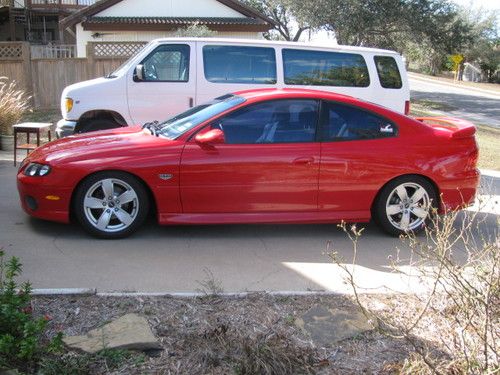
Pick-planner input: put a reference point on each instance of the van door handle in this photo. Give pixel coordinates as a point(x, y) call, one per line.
point(305, 160)
point(191, 102)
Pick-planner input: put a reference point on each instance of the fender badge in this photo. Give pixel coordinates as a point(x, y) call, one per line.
point(165, 176)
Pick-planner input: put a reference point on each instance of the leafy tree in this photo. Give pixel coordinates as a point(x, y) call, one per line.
point(287, 27)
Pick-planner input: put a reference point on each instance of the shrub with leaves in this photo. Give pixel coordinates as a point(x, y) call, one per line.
point(21, 334)
point(13, 105)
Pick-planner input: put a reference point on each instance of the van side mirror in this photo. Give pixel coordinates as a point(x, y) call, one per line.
point(139, 73)
point(214, 136)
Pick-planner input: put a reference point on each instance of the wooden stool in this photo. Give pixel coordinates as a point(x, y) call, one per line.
point(29, 128)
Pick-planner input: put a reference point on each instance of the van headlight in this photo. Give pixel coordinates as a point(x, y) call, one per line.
point(68, 104)
point(36, 170)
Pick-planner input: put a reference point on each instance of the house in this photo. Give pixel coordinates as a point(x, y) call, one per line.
point(145, 20)
point(36, 21)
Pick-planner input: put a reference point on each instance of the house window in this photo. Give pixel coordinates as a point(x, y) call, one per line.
point(319, 68)
point(346, 123)
point(167, 63)
point(388, 72)
point(235, 64)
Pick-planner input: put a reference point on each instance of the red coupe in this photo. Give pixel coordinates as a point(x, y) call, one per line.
point(259, 156)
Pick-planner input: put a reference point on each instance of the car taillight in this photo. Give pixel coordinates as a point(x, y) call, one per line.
point(407, 107)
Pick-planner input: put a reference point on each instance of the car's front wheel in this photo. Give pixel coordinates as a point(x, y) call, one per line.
point(111, 204)
point(405, 205)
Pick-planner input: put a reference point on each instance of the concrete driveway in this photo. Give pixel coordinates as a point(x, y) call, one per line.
point(182, 258)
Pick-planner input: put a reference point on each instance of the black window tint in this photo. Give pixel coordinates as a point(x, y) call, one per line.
point(167, 63)
point(388, 72)
point(234, 64)
point(279, 121)
point(346, 123)
point(320, 68)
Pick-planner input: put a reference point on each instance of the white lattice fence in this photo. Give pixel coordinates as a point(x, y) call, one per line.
point(106, 50)
point(11, 51)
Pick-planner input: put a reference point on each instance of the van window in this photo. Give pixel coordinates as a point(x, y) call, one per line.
point(235, 64)
point(345, 123)
point(388, 72)
point(167, 63)
point(318, 68)
point(277, 121)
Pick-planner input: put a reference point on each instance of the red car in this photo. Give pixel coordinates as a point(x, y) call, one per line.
point(259, 156)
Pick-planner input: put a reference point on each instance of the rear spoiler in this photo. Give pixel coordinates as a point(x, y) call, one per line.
point(460, 128)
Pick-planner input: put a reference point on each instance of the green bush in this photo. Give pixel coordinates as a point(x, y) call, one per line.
point(21, 334)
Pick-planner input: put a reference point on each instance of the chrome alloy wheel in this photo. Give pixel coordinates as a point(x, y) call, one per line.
point(408, 206)
point(111, 205)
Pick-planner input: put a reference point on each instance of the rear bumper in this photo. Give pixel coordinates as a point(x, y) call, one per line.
point(65, 128)
point(42, 201)
point(459, 193)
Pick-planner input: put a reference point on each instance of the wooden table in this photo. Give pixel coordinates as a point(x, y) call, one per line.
point(29, 128)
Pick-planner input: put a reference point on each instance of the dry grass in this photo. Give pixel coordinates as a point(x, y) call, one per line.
point(13, 105)
point(222, 335)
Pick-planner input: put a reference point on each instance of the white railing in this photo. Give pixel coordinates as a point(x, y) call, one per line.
point(56, 51)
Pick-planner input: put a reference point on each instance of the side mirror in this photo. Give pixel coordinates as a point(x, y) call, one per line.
point(139, 73)
point(214, 136)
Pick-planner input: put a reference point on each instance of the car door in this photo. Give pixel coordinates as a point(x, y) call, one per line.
point(359, 153)
point(168, 85)
point(268, 163)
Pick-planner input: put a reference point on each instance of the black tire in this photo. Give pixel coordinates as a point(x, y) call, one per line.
point(111, 218)
point(97, 124)
point(393, 213)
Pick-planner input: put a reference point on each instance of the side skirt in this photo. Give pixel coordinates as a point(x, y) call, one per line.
point(265, 218)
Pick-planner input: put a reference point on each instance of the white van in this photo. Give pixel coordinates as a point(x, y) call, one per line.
point(170, 75)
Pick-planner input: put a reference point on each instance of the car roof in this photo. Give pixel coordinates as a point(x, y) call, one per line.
point(272, 93)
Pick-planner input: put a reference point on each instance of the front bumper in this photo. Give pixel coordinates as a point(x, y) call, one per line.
point(43, 201)
point(65, 128)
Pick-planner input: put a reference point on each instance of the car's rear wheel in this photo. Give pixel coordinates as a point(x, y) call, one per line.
point(405, 205)
point(111, 204)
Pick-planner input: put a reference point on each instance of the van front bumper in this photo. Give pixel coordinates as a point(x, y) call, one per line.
point(65, 128)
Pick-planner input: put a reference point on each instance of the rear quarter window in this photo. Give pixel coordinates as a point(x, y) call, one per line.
point(320, 68)
point(388, 72)
point(239, 64)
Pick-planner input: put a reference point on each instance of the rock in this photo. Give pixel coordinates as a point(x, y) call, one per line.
point(130, 331)
point(328, 326)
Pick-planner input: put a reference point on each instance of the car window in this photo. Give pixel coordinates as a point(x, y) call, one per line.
point(388, 72)
point(319, 68)
point(235, 64)
point(346, 123)
point(278, 121)
point(167, 63)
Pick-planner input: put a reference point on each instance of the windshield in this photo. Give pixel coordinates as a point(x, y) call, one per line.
point(185, 121)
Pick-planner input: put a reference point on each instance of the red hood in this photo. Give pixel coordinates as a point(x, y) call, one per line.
point(106, 143)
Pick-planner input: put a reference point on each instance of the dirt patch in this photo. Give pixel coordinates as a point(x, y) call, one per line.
point(221, 335)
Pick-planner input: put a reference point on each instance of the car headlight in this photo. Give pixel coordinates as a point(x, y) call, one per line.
point(35, 169)
point(68, 104)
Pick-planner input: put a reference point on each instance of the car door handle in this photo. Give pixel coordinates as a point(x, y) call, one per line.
point(304, 160)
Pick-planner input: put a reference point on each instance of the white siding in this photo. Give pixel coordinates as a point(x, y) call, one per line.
point(169, 8)
point(83, 36)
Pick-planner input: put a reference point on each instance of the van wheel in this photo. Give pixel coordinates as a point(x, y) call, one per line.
point(97, 124)
point(111, 204)
point(405, 205)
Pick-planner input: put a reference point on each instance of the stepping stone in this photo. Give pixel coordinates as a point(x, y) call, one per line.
point(327, 326)
point(130, 331)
